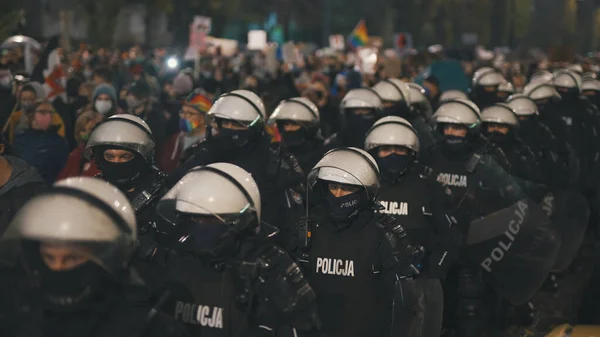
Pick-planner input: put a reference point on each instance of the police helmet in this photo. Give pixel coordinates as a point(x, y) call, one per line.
point(590, 85)
point(419, 100)
point(453, 94)
point(576, 68)
point(365, 98)
point(541, 76)
point(506, 87)
point(567, 79)
point(242, 106)
point(350, 166)
point(392, 130)
point(522, 105)
point(126, 131)
point(393, 90)
point(500, 113)
point(458, 111)
point(542, 91)
point(489, 78)
point(480, 72)
point(298, 109)
point(86, 212)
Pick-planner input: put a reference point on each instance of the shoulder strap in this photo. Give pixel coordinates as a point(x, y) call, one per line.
point(150, 193)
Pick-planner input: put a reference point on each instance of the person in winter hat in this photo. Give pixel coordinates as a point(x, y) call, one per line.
point(104, 100)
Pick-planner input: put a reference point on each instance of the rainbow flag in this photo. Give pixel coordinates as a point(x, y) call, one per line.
point(359, 36)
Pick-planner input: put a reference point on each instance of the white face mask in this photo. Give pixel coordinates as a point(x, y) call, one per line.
point(103, 106)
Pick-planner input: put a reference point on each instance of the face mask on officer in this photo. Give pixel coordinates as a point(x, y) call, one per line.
point(399, 109)
point(293, 134)
point(393, 160)
point(359, 121)
point(67, 275)
point(527, 122)
point(486, 95)
point(119, 166)
point(455, 136)
point(568, 94)
point(232, 134)
point(497, 132)
point(343, 201)
point(203, 235)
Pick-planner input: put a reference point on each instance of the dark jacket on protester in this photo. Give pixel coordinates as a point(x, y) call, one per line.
point(24, 183)
point(44, 150)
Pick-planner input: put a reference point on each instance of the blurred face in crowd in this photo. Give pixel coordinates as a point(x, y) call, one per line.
point(62, 257)
point(42, 117)
point(455, 130)
point(118, 156)
point(28, 97)
point(97, 79)
point(194, 118)
point(291, 126)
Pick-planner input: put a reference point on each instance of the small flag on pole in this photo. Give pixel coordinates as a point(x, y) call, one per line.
point(359, 36)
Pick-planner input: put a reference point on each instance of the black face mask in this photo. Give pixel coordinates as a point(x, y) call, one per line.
point(393, 165)
point(230, 139)
point(569, 95)
point(358, 125)
point(454, 143)
point(399, 109)
point(528, 123)
point(122, 175)
point(485, 98)
point(498, 137)
point(206, 240)
point(295, 139)
point(344, 209)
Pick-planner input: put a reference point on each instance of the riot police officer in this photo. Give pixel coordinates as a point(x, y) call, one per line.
point(590, 88)
point(484, 193)
point(552, 156)
point(505, 89)
point(484, 90)
point(397, 102)
point(359, 280)
point(360, 109)
point(123, 148)
point(298, 121)
point(419, 101)
point(75, 243)
point(224, 277)
point(410, 193)
point(500, 126)
point(237, 135)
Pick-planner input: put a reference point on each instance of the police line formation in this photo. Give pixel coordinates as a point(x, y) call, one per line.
point(471, 218)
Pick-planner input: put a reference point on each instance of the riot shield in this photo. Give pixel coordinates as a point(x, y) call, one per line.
point(514, 242)
point(418, 308)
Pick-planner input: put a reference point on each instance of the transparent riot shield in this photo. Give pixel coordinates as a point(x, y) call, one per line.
point(513, 239)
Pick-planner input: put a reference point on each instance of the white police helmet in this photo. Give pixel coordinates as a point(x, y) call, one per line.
point(566, 79)
point(226, 190)
point(453, 94)
point(393, 90)
point(590, 85)
point(365, 98)
point(542, 91)
point(419, 100)
point(522, 105)
point(348, 165)
point(458, 111)
point(500, 113)
point(126, 131)
point(297, 109)
point(242, 106)
point(392, 130)
point(83, 212)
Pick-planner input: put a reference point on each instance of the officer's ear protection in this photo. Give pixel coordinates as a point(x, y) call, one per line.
point(241, 224)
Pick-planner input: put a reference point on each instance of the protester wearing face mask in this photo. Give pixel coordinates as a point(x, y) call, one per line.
point(104, 99)
point(31, 93)
point(40, 145)
point(140, 105)
point(77, 164)
point(192, 126)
